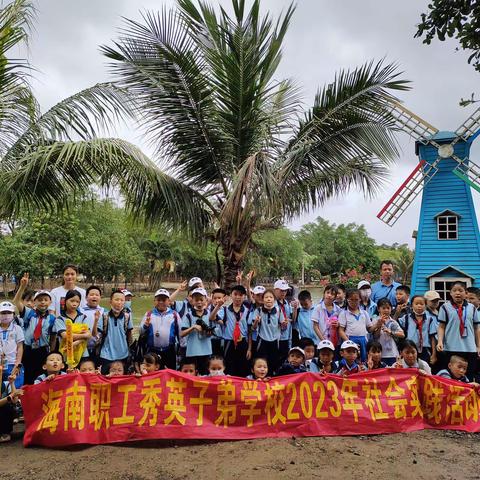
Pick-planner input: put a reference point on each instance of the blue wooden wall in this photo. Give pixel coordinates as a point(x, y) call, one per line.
point(445, 191)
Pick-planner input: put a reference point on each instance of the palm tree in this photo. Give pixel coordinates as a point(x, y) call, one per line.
point(238, 152)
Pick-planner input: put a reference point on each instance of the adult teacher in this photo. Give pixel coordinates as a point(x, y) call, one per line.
point(386, 286)
point(58, 294)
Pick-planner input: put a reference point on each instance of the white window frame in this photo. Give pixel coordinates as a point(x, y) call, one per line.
point(448, 230)
point(443, 293)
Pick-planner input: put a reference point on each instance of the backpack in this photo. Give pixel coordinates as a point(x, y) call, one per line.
point(33, 313)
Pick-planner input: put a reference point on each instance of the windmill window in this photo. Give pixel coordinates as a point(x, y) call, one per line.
point(447, 227)
point(442, 285)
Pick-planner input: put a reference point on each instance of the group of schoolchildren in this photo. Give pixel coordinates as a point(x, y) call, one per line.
point(252, 332)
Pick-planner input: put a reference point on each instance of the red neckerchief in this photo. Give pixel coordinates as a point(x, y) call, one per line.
point(419, 324)
point(237, 333)
point(459, 310)
point(282, 308)
point(37, 333)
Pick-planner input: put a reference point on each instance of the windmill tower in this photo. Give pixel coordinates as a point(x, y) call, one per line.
point(448, 241)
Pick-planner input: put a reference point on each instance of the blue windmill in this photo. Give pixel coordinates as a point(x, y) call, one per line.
point(448, 241)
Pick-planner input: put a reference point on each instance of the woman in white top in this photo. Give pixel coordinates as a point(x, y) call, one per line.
point(70, 273)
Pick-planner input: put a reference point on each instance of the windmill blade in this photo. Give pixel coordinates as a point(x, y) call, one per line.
point(468, 171)
point(407, 192)
point(412, 124)
point(469, 127)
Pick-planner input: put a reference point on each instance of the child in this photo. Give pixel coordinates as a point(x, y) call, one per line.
point(302, 316)
point(219, 297)
point(235, 332)
point(9, 397)
point(216, 366)
point(151, 363)
point(188, 366)
point(11, 345)
point(324, 362)
point(433, 301)
point(432, 298)
point(161, 327)
point(366, 302)
point(53, 366)
point(473, 296)
point(267, 323)
point(348, 365)
point(295, 363)
point(354, 324)
point(374, 351)
point(257, 302)
point(458, 328)
point(308, 346)
point(39, 330)
point(128, 300)
point(116, 368)
point(259, 370)
point(81, 332)
point(387, 331)
point(456, 370)
point(409, 358)
point(340, 299)
point(280, 289)
point(198, 329)
point(325, 316)
point(417, 327)
point(115, 327)
point(93, 311)
point(87, 366)
point(402, 295)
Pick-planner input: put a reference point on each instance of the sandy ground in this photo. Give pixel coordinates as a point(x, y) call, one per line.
point(421, 455)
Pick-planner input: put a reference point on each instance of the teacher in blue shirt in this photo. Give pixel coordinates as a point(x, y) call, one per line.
point(386, 286)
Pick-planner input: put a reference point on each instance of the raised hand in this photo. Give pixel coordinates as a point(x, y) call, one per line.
point(25, 279)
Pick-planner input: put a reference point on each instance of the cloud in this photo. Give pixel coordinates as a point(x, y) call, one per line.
point(325, 36)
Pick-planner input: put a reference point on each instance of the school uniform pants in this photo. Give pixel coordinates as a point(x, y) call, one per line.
point(236, 363)
point(7, 414)
point(269, 351)
point(217, 346)
point(167, 355)
point(33, 360)
point(362, 343)
point(283, 348)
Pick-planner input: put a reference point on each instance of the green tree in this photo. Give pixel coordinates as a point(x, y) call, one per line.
point(239, 154)
point(335, 249)
point(459, 19)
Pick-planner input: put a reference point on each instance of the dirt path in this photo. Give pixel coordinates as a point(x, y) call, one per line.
point(422, 455)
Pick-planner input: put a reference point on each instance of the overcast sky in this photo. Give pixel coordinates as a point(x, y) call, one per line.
point(325, 36)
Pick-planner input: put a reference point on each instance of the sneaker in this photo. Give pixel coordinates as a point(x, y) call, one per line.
point(5, 438)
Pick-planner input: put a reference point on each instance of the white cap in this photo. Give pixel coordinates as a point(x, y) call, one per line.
point(200, 291)
point(297, 349)
point(161, 292)
point(349, 344)
point(7, 307)
point(363, 283)
point(42, 292)
point(281, 285)
point(193, 281)
point(258, 290)
point(326, 344)
point(127, 292)
point(431, 295)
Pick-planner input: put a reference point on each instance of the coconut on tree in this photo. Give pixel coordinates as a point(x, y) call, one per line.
point(236, 152)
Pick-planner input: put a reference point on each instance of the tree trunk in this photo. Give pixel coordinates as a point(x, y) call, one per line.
point(233, 258)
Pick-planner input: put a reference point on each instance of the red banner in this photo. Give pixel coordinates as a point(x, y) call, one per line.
point(92, 409)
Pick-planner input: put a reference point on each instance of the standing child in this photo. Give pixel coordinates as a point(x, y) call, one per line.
point(161, 327)
point(39, 331)
point(402, 295)
point(354, 324)
point(267, 323)
point(366, 302)
point(235, 332)
point(257, 303)
point(281, 289)
point(11, 345)
point(115, 329)
point(387, 332)
point(302, 316)
point(418, 327)
point(340, 299)
point(348, 365)
point(219, 297)
point(458, 329)
point(93, 311)
point(198, 329)
point(432, 298)
point(325, 316)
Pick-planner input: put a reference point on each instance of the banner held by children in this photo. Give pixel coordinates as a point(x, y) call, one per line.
point(92, 409)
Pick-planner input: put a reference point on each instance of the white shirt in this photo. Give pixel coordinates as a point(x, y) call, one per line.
point(9, 340)
point(58, 299)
